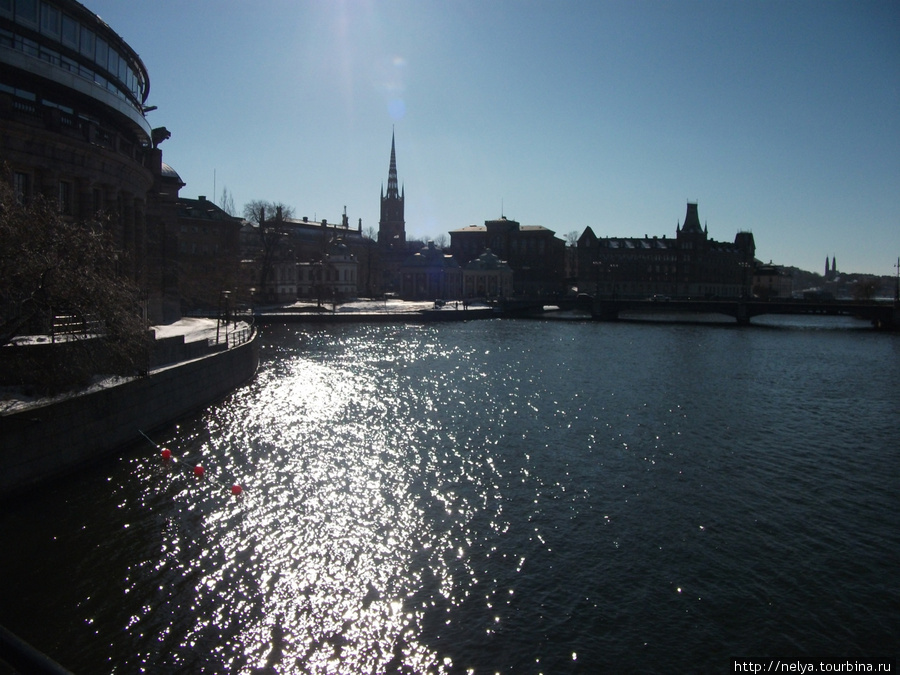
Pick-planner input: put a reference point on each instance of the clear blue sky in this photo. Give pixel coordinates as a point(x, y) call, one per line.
point(778, 117)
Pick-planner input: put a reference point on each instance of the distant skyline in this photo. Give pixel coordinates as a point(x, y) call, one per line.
point(779, 118)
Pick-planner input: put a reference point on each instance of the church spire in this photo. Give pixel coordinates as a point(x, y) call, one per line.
point(391, 225)
point(392, 191)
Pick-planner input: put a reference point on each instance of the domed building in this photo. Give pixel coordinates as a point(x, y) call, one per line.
point(430, 274)
point(533, 252)
point(73, 128)
point(487, 277)
point(333, 278)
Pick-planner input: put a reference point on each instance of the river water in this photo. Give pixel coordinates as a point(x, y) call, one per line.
point(490, 497)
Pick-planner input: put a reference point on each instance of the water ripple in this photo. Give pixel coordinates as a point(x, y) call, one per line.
point(506, 497)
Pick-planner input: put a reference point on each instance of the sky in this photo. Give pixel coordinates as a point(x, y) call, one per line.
point(781, 118)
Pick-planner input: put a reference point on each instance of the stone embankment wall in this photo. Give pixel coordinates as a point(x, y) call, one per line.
point(43, 442)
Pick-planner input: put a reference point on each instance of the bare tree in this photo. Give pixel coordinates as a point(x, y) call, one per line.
point(572, 238)
point(226, 202)
point(51, 267)
point(260, 210)
point(269, 218)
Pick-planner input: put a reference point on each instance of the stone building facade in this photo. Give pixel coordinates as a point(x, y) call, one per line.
point(487, 277)
point(535, 255)
point(772, 281)
point(430, 274)
point(690, 265)
point(73, 129)
point(307, 259)
point(208, 252)
point(334, 278)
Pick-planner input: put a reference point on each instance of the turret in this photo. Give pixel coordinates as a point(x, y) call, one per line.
point(691, 231)
point(691, 220)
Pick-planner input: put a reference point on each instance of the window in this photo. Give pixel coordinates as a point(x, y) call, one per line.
point(27, 46)
point(87, 42)
point(102, 53)
point(49, 55)
point(50, 20)
point(69, 31)
point(113, 65)
point(65, 197)
point(27, 12)
point(21, 186)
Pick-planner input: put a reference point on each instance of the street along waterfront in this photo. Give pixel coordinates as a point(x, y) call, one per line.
point(495, 496)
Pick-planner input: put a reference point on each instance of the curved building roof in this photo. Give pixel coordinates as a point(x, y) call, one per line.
point(487, 261)
point(430, 256)
point(168, 172)
point(60, 51)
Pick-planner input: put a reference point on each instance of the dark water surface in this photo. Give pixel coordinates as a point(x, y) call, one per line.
point(490, 497)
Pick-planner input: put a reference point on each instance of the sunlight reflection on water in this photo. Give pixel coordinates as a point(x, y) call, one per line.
point(327, 560)
point(469, 498)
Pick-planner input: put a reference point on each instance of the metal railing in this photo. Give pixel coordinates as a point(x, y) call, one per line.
point(240, 332)
point(70, 327)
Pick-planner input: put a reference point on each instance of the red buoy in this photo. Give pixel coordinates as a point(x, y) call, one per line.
point(198, 470)
point(166, 453)
point(236, 489)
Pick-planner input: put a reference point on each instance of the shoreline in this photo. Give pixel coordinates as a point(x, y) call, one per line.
point(47, 440)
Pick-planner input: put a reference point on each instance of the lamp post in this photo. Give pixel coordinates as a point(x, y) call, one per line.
point(223, 314)
point(897, 286)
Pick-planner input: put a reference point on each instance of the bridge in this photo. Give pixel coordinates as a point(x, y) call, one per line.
point(883, 315)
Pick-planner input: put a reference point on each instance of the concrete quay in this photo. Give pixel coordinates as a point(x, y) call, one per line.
point(48, 439)
point(374, 311)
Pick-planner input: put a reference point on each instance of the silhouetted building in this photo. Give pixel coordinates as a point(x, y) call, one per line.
point(487, 277)
point(690, 265)
point(311, 239)
point(392, 229)
point(831, 273)
point(430, 274)
point(772, 281)
point(283, 244)
point(535, 255)
point(73, 129)
point(208, 252)
point(391, 225)
point(334, 278)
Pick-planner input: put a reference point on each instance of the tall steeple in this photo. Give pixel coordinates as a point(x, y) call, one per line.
point(392, 173)
point(392, 226)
